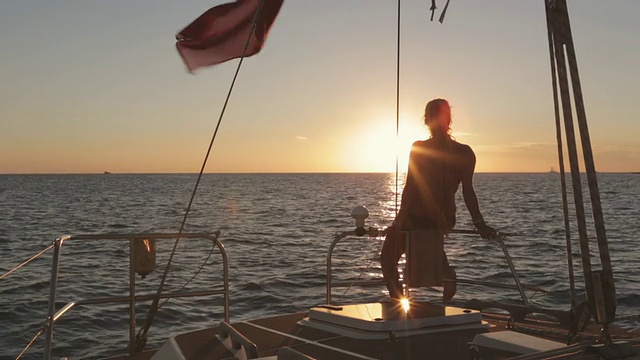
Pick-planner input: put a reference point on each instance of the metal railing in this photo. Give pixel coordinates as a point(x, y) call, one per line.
point(132, 299)
point(374, 232)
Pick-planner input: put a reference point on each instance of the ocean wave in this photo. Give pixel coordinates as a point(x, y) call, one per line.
point(277, 230)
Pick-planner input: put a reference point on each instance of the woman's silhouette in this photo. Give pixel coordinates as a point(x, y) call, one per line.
point(437, 167)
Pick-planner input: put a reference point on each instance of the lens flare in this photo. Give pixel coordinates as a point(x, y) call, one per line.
point(405, 304)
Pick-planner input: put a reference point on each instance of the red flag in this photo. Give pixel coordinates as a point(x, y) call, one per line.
point(221, 33)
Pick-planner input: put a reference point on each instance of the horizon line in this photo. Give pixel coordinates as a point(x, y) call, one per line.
point(294, 172)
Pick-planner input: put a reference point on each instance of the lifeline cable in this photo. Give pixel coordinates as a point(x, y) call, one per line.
point(26, 262)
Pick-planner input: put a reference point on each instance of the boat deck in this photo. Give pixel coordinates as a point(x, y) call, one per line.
point(274, 333)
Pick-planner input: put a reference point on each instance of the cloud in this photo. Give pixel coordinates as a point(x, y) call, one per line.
point(300, 137)
point(516, 147)
point(462, 134)
point(632, 151)
point(529, 144)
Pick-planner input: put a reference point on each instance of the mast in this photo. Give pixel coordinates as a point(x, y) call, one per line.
point(599, 283)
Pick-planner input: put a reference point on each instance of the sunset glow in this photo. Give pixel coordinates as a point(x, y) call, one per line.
point(104, 100)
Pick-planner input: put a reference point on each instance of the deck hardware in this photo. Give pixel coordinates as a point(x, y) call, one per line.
point(373, 232)
point(53, 316)
point(144, 256)
point(360, 213)
point(238, 341)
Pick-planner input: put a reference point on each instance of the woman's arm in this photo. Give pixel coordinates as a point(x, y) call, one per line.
point(471, 199)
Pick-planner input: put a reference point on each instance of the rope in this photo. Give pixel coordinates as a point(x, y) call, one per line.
point(26, 262)
point(565, 205)
point(40, 332)
point(397, 103)
point(360, 274)
point(558, 22)
point(141, 337)
point(444, 12)
point(592, 179)
point(213, 247)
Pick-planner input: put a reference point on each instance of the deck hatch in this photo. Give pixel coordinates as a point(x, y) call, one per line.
point(391, 316)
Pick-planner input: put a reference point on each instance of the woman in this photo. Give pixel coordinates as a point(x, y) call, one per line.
point(437, 166)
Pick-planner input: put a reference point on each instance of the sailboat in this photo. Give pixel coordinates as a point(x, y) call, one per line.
point(410, 328)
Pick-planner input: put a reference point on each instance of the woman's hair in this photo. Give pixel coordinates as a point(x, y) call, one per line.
point(431, 112)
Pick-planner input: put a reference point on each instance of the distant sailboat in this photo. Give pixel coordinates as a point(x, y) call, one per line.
point(107, 172)
point(552, 171)
point(387, 328)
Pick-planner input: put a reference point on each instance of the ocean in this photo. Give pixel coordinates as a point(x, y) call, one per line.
point(277, 229)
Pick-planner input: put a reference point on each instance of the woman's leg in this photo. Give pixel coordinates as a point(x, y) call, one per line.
point(450, 287)
point(392, 250)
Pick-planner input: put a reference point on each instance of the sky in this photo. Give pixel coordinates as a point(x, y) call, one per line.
point(92, 86)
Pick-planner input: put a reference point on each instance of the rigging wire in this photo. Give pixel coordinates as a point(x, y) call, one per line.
point(559, 26)
point(397, 103)
point(565, 204)
point(141, 337)
point(397, 138)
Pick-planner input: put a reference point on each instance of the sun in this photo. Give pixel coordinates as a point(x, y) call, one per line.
point(375, 148)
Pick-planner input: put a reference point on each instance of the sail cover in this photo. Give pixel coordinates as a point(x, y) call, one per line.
point(221, 33)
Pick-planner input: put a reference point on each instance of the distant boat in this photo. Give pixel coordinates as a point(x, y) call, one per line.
point(361, 327)
point(107, 172)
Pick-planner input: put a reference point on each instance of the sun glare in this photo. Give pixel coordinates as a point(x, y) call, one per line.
point(406, 305)
point(377, 147)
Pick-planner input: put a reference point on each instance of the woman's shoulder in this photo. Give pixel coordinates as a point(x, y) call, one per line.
point(419, 144)
point(460, 145)
point(462, 148)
